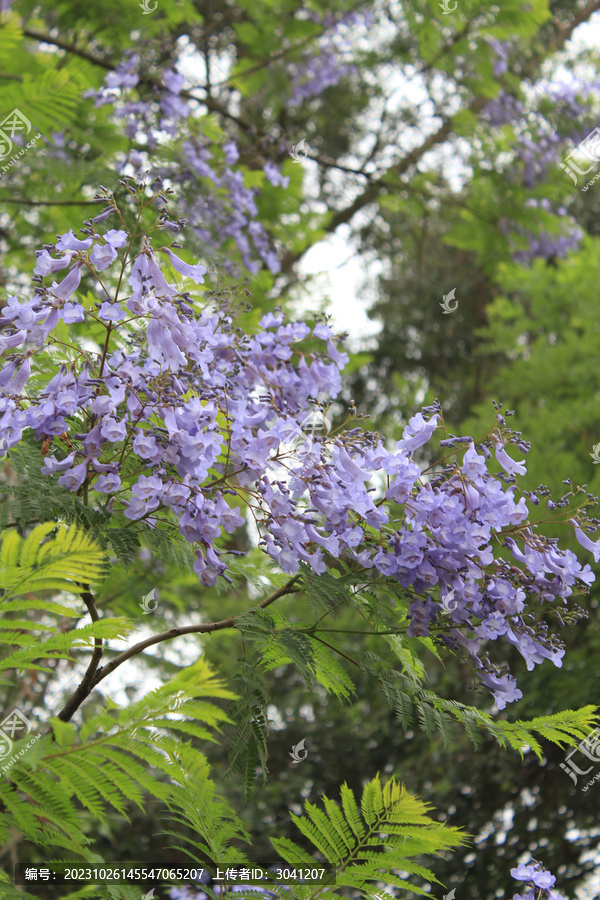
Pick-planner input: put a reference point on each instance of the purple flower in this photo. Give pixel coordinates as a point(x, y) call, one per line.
point(74, 478)
point(113, 430)
point(47, 264)
point(537, 875)
point(116, 238)
point(68, 241)
point(53, 465)
point(9, 341)
point(111, 312)
point(231, 153)
point(544, 880)
point(585, 542)
point(173, 81)
point(149, 487)
point(72, 312)
point(274, 175)
point(473, 464)
point(417, 432)
point(162, 347)
point(107, 484)
point(508, 464)
point(13, 379)
point(69, 284)
point(124, 75)
point(504, 689)
point(144, 445)
point(523, 873)
point(190, 271)
point(103, 256)
point(66, 401)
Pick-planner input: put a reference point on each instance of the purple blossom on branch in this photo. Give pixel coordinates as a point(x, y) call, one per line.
point(185, 418)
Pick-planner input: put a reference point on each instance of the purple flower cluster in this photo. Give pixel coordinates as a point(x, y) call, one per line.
point(549, 245)
point(228, 209)
point(540, 882)
point(214, 198)
point(323, 65)
point(537, 152)
point(503, 109)
point(537, 156)
point(561, 111)
point(182, 417)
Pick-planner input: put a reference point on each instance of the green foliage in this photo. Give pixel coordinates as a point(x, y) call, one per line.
point(36, 497)
point(49, 99)
point(248, 746)
point(372, 844)
point(439, 231)
point(436, 715)
point(29, 496)
point(50, 558)
point(118, 758)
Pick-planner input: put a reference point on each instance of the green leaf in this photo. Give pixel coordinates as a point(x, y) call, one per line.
point(69, 560)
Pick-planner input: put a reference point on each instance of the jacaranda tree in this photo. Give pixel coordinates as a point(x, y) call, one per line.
point(166, 423)
point(142, 414)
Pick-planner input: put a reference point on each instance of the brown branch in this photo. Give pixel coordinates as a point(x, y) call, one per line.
point(375, 186)
point(337, 650)
point(22, 202)
point(563, 34)
point(281, 54)
point(207, 628)
point(329, 163)
point(86, 686)
point(373, 189)
point(110, 66)
point(69, 48)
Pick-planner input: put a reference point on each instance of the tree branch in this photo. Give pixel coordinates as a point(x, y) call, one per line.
point(110, 66)
point(69, 48)
point(86, 686)
point(22, 202)
point(207, 628)
point(374, 188)
point(563, 34)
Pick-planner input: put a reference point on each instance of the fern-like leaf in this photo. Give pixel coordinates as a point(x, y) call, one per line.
point(64, 561)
